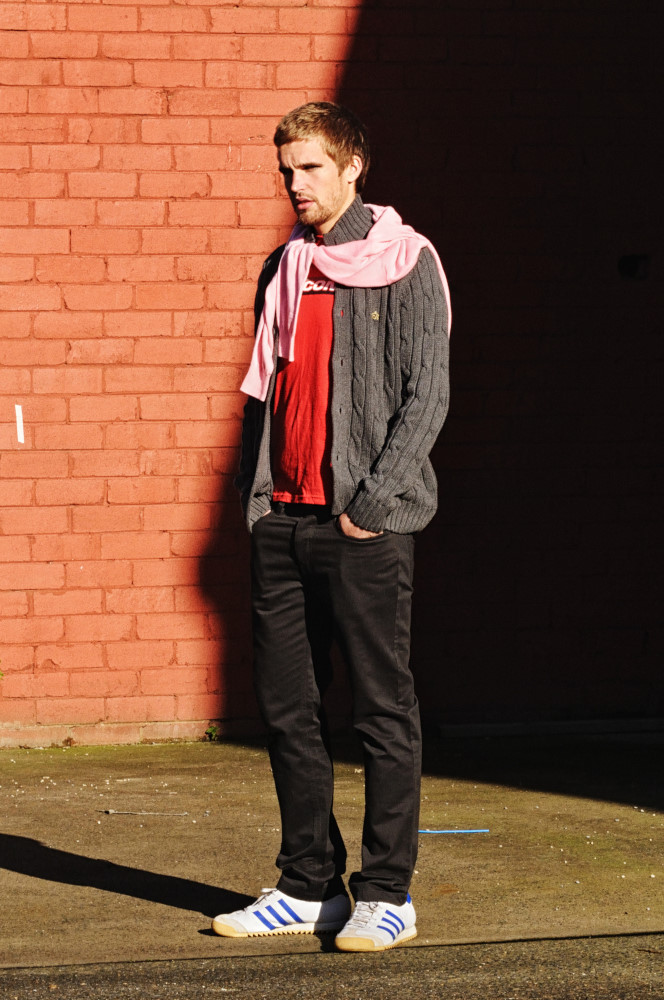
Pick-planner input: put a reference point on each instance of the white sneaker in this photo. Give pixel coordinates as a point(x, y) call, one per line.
point(377, 926)
point(276, 913)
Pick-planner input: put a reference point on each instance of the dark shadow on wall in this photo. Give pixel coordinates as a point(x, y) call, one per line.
point(527, 145)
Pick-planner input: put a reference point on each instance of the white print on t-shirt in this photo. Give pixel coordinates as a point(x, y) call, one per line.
point(319, 285)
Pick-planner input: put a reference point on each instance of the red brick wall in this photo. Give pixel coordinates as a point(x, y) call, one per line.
point(138, 197)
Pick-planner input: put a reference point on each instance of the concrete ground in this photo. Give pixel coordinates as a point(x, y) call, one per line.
point(114, 859)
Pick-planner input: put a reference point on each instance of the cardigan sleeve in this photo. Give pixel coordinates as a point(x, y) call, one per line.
point(423, 321)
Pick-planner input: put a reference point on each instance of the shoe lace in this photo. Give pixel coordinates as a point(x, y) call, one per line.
point(363, 913)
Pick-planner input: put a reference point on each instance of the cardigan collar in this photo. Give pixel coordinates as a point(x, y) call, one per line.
point(354, 224)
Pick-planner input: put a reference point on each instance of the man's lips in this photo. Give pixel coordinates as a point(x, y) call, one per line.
point(302, 204)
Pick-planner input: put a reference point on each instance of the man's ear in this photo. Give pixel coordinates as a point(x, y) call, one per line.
point(354, 168)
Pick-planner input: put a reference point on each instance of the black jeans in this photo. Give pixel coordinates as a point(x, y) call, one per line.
point(310, 584)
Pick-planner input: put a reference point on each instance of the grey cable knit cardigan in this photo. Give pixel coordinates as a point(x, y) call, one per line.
point(389, 397)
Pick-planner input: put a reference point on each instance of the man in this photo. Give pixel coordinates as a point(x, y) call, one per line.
point(347, 393)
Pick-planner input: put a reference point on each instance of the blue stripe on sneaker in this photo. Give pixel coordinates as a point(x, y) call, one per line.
point(389, 929)
point(263, 920)
point(291, 913)
point(393, 916)
point(277, 916)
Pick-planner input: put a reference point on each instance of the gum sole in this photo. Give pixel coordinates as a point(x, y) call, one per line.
point(366, 944)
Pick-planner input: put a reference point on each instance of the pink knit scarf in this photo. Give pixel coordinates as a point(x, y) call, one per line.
point(389, 252)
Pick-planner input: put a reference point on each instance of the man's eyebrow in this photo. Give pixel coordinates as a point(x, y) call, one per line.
point(299, 166)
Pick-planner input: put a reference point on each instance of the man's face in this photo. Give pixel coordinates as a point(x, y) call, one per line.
point(319, 193)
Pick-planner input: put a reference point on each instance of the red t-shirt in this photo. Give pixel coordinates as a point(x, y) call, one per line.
point(301, 439)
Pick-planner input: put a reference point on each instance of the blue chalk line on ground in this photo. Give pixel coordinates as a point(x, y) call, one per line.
point(453, 831)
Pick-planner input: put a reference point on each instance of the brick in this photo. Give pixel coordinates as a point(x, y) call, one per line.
point(106, 463)
point(182, 516)
point(24, 465)
point(14, 548)
point(138, 545)
point(168, 184)
point(32, 520)
point(65, 547)
point(137, 655)
point(102, 184)
point(131, 378)
point(132, 101)
point(103, 241)
point(176, 680)
point(189, 543)
point(143, 268)
point(62, 101)
point(140, 708)
point(284, 48)
point(159, 130)
point(111, 351)
point(173, 20)
point(96, 73)
point(14, 381)
point(264, 212)
point(106, 518)
point(140, 600)
point(95, 19)
point(14, 101)
point(65, 45)
point(136, 46)
point(61, 325)
point(33, 129)
point(34, 241)
point(175, 463)
point(66, 437)
point(210, 268)
point(14, 213)
point(13, 604)
point(64, 212)
point(169, 73)
point(40, 409)
point(71, 156)
point(53, 710)
point(175, 240)
point(236, 20)
point(277, 103)
point(14, 326)
point(209, 434)
point(167, 352)
point(140, 437)
point(16, 269)
point(163, 572)
point(100, 297)
point(99, 573)
point(164, 405)
point(172, 626)
point(23, 630)
point(170, 296)
point(98, 628)
point(28, 353)
point(155, 324)
point(17, 658)
point(207, 324)
point(70, 268)
point(107, 683)
point(103, 130)
point(204, 47)
point(69, 603)
point(235, 352)
point(230, 295)
point(200, 213)
point(69, 656)
point(201, 706)
point(197, 158)
point(192, 599)
point(199, 489)
point(243, 184)
point(29, 72)
point(14, 45)
point(126, 157)
point(18, 712)
point(144, 490)
point(323, 75)
point(204, 102)
point(50, 492)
